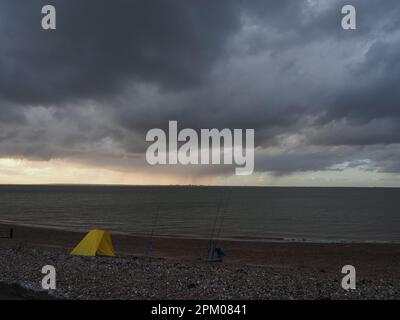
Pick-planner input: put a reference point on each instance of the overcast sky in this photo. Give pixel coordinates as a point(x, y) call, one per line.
point(76, 102)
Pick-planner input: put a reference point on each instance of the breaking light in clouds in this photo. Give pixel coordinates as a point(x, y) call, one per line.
point(76, 103)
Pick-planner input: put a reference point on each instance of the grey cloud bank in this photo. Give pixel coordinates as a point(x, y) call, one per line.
point(318, 97)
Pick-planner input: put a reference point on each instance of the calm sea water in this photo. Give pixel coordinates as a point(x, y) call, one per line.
point(314, 214)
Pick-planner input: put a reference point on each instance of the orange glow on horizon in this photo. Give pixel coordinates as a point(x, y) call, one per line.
point(20, 171)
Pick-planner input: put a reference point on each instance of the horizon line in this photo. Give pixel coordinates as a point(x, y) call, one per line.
point(190, 185)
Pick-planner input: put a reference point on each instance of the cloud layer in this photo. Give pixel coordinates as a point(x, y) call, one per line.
point(320, 98)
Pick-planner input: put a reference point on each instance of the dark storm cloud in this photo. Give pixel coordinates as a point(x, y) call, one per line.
point(375, 95)
point(98, 45)
point(115, 69)
point(11, 113)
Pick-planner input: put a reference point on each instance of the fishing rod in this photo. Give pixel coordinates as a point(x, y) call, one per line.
point(224, 213)
point(217, 226)
point(213, 229)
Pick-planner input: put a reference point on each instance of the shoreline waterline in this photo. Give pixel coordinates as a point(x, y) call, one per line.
point(11, 224)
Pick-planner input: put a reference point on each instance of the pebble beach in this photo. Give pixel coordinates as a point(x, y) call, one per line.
point(261, 271)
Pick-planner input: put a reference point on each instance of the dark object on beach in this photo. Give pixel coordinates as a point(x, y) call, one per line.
point(215, 250)
point(10, 234)
point(16, 292)
point(220, 253)
point(192, 285)
point(149, 247)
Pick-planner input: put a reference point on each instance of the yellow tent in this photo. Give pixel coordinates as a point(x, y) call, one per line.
point(96, 242)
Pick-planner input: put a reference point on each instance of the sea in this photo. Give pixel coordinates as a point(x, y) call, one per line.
point(234, 213)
